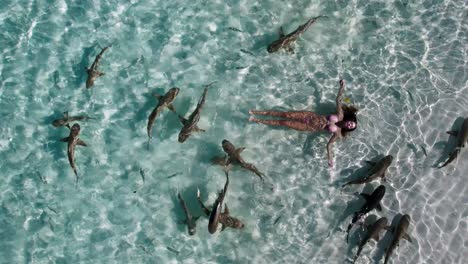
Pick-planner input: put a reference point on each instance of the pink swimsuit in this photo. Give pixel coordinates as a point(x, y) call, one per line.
point(331, 127)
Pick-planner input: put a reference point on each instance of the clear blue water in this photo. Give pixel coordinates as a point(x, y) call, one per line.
point(405, 64)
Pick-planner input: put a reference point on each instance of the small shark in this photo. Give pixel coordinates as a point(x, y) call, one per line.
point(286, 41)
point(372, 233)
point(72, 141)
point(372, 202)
point(190, 124)
point(164, 101)
point(377, 171)
point(216, 216)
point(398, 233)
point(190, 221)
point(93, 72)
point(66, 120)
point(233, 157)
point(462, 138)
point(217, 208)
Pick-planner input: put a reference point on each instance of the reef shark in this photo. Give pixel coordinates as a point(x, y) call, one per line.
point(377, 171)
point(164, 101)
point(72, 141)
point(286, 41)
point(216, 215)
point(462, 138)
point(233, 157)
point(190, 221)
point(373, 232)
point(190, 124)
point(372, 202)
point(398, 233)
point(92, 71)
point(66, 120)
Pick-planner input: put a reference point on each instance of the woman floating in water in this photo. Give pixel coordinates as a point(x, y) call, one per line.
point(340, 124)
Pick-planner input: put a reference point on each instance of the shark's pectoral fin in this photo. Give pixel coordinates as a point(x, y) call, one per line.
point(81, 143)
point(453, 133)
point(388, 228)
point(219, 161)
point(65, 139)
point(239, 150)
point(226, 209)
point(407, 237)
point(289, 48)
point(379, 207)
point(171, 107)
point(346, 184)
point(99, 74)
point(223, 226)
point(197, 129)
point(68, 125)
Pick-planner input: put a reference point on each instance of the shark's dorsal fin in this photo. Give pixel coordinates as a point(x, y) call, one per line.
point(281, 32)
point(388, 228)
point(376, 237)
point(183, 120)
point(223, 226)
point(383, 174)
point(453, 133)
point(289, 48)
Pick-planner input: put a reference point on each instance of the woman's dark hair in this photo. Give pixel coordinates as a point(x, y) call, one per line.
point(349, 114)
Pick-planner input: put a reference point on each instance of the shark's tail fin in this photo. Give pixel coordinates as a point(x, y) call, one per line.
point(76, 180)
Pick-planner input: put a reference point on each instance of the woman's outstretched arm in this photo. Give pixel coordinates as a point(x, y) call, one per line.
point(329, 151)
point(339, 109)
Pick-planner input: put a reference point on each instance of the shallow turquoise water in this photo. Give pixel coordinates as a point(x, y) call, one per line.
point(405, 64)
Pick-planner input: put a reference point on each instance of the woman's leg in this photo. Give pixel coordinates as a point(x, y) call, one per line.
point(287, 123)
point(290, 114)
